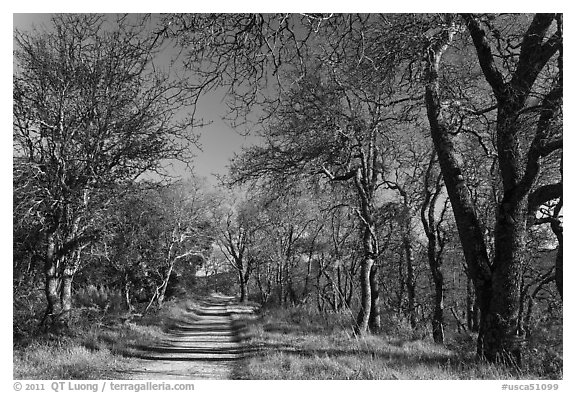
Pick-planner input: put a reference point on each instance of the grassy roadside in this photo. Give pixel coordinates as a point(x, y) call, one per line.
point(294, 343)
point(96, 347)
point(300, 344)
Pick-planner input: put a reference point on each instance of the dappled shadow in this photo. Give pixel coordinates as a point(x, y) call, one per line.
point(295, 328)
point(281, 328)
point(210, 334)
point(395, 354)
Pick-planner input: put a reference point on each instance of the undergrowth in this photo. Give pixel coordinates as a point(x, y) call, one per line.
point(300, 343)
point(98, 345)
point(288, 343)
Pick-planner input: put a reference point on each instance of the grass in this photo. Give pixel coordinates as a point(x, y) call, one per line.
point(96, 347)
point(300, 344)
point(293, 343)
point(66, 360)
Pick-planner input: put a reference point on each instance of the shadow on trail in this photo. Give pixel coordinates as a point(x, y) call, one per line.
point(207, 341)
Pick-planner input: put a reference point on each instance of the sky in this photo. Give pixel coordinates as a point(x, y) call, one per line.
point(218, 141)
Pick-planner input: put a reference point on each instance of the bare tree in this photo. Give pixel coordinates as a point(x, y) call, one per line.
point(237, 239)
point(321, 131)
point(505, 84)
point(436, 235)
point(90, 110)
point(186, 230)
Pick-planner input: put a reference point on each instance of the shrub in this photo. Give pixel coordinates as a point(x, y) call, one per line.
point(101, 297)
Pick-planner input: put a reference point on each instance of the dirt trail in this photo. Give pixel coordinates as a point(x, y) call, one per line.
point(205, 342)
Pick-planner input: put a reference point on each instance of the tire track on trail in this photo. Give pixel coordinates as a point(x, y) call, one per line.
point(205, 342)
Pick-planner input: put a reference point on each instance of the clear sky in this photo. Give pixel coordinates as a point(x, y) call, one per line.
point(218, 140)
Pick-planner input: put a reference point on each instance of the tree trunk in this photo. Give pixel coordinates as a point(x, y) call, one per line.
point(334, 295)
point(291, 292)
point(162, 291)
point(319, 298)
point(305, 290)
point(410, 280)
point(161, 294)
point(280, 284)
point(469, 228)
point(66, 295)
point(126, 292)
point(362, 322)
point(476, 315)
point(374, 323)
point(559, 269)
point(470, 302)
point(499, 338)
point(350, 291)
point(339, 288)
point(438, 316)
point(558, 231)
point(401, 290)
point(242, 287)
point(53, 282)
point(70, 267)
point(264, 293)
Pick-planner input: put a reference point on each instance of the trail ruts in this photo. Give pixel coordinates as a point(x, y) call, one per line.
point(205, 342)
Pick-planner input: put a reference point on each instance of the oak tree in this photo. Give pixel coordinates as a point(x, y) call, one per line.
point(522, 67)
point(90, 110)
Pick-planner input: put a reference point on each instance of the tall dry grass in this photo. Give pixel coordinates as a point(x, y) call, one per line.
point(101, 343)
point(300, 343)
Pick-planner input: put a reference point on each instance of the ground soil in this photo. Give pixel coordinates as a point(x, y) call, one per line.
point(207, 341)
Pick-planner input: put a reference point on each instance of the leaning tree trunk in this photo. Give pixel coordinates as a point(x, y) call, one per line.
point(162, 290)
point(469, 303)
point(469, 228)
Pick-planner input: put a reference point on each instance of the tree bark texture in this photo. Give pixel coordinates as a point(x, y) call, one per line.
point(365, 179)
point(410, 280)
point(66, 294)
point(469, 229)
point(497, 284)
point(559, 268)
point(374, 322)
point(126, 292)
point(52, 284)
point(499, 337)
point(242, 281)
point(362, 322)
point(472, 314)
point(164, 286)
point(435, 246)
point(559, 265)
